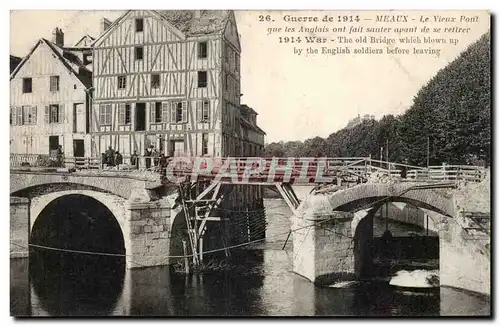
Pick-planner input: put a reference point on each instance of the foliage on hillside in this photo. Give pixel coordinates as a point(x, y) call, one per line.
point(453, 111)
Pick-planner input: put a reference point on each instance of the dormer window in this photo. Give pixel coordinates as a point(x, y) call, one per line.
point(139, 25)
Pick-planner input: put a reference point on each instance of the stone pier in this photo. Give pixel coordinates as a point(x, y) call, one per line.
point(19, 227)
point(324, 251)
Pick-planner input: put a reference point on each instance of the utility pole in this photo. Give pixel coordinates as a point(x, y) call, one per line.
point(428, 151)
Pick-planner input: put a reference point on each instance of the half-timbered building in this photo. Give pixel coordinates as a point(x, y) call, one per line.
point(49, 102)
point(169, 79)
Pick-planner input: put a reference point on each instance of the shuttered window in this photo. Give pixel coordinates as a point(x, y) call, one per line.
point(54, 113)
point(19, 116)
point(164, 111)
point(178, 112)
point(203, 110)
point(105, 114)
point(29, 115)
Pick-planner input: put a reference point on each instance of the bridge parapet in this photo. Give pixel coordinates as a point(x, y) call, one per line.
point(122, 184)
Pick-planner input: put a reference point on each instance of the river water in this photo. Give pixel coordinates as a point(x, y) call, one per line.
point(260, 284)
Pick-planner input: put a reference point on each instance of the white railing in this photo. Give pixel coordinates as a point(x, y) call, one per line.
point(356, 167)
point(450, 173)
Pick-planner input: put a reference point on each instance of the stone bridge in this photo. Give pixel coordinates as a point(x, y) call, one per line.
point(141, 206)
point(334, 230)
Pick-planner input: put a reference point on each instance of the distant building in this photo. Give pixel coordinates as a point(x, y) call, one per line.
point(84, 42)
point(359, 120)
point(49, 102)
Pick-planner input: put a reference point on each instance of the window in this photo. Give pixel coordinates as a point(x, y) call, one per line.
point(105, 114)
point(158, 112)
point(124, 114)
point(139, 51)
point(204, 144)
point(122, 82)
point(54, 83)
point(55, 114)
point(127, 114)
point(178, 113)
point(155, 81)
point(29, 115)
point(202, 50)
point(139, 25)
point(227, 82)
point(226, 53)
point(22, 115)
point(27, 85)
point(203, 110)
point(202, 79)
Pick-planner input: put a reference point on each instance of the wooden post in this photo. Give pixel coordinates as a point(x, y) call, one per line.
point(186, 261)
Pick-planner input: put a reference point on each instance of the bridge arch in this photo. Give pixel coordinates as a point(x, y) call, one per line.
point(365, 196)
point(115, 204)
point(79, 220)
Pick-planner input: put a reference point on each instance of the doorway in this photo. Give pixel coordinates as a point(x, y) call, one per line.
point(140, 116)
point(78, 148)
point(53, 145)
point(176, 147)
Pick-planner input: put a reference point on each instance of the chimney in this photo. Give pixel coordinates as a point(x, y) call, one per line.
point(105, 23)
point(58, 36)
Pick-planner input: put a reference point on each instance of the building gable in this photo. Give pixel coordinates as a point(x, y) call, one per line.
point(123, 30)
point(43, 61)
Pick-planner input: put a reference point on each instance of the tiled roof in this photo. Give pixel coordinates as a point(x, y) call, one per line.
point(208, 22)
point(14, 61)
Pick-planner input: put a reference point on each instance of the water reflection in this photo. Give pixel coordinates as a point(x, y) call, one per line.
point(261, 284)
point(74, 284)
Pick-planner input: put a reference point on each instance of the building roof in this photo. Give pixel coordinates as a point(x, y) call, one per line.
point(14, 62)
point(71, 61)
point(185, 21)
point(248, 109)
point(208, 22)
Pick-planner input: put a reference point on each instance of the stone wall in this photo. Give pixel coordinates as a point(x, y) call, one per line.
point(19, 227)
point(149, 237)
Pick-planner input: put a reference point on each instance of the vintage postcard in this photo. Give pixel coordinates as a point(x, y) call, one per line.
point(250, 163)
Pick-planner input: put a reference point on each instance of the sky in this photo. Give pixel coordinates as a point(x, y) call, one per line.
point(297, 97)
